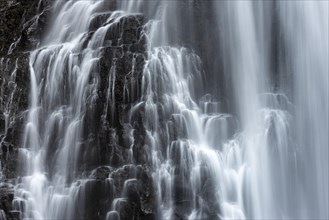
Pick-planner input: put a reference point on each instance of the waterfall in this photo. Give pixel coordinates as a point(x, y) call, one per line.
point(178, 110)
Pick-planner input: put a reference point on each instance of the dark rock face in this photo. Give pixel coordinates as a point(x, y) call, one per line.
point(6, 198)
point(135, 183)
point(22, 25)
point(107, 133)
point(120, 73)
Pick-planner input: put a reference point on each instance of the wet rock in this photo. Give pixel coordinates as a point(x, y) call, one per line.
point(6, 197)
point(98, 21)
point(101, 173)
point(129, 210)
point(16, 215)
point(97, 197)
point(136, 183)
point(91, 195)
point(125, 209)
point(126, 67)
point(132, 190)
point(9, 160)
point(23, 23)
point(15, 130)
point(117, 155)
point(113, 32)
point(2, 123)
point(106, 138)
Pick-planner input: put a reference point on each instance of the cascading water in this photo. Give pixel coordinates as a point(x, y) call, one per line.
point(256, 148)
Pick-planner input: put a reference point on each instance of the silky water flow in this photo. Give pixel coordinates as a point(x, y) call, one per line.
point(265, 157)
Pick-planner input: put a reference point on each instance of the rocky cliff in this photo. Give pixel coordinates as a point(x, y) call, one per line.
point(23, 23)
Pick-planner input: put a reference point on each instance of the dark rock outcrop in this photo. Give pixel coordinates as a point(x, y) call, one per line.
point(122, 63)
point(6, 198)
point(120, 76)
point(22, 25)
